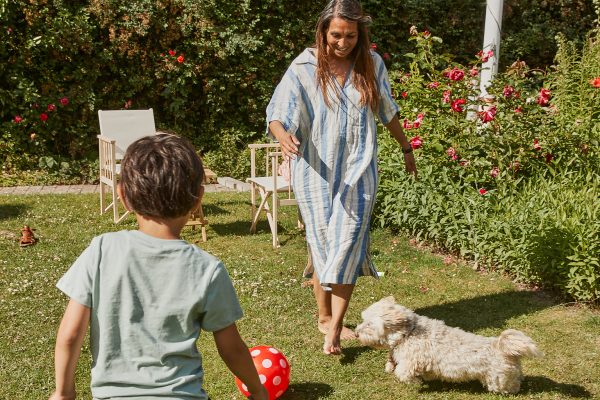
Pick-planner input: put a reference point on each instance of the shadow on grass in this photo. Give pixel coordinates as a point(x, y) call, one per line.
point(12, 210)
point(350, 354)
point(530, 385)
point(307, 391)
point(489, 311)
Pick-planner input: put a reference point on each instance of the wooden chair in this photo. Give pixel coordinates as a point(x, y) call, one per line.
point(269, 186)
point(197, 217)
point(118, 129)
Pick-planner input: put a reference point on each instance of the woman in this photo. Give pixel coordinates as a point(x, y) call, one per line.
point(323, 115)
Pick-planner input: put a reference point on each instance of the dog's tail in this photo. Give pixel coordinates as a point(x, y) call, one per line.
point(515, 343)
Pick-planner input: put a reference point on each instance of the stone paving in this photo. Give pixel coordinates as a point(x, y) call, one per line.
point(224, 185)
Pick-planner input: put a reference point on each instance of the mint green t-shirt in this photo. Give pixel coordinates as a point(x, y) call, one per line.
point(149, 299)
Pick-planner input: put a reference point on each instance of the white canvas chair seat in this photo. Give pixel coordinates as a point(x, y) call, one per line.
point(118, 129)
point(268, 185)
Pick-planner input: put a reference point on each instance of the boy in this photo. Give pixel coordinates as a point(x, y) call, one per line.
point(147, 293)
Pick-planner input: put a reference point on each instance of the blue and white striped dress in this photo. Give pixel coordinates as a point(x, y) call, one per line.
point(335, 176)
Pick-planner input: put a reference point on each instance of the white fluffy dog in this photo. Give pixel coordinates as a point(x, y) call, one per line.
point(425, 348)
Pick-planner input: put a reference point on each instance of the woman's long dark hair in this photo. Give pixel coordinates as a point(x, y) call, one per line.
point(363, 74)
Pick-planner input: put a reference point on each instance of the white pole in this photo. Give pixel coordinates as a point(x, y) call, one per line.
point(491, 41)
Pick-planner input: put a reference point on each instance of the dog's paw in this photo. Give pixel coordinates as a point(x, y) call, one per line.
point(389, 367)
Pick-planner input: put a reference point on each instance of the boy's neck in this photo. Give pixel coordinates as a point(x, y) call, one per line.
point(162, 228)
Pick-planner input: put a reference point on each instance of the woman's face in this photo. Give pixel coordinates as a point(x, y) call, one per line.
point(342, 36)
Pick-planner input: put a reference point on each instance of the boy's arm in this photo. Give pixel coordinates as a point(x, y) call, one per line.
point(236, 356)
point(68, 347)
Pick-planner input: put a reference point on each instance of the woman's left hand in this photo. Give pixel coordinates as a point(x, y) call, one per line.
point(409, 164)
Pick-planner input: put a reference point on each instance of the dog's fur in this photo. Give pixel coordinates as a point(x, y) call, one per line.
point(425, 348)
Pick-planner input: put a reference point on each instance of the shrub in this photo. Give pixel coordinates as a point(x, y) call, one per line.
point(509, 184)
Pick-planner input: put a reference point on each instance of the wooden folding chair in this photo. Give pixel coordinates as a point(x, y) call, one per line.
point(268, 186)
point(118, 129)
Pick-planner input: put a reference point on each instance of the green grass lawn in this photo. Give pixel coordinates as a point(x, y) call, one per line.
point(280, 310)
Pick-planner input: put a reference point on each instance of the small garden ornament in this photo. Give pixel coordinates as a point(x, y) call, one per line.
point(27, 237)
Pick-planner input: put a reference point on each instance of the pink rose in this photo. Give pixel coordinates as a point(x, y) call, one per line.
point(64, 101)
point(433, 85)
point(519, 110)
point(51, 107)
point(488, 114)
point(446, 96)
point(473, 71)
point(416, 142)
point(485, 56)
point(456, 105)
point(536, 145)
point(494, 172)
point(17, 119)
point(451, 153)
point(508, 91)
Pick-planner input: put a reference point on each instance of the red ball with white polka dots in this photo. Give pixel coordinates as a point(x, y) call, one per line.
point(273, 370)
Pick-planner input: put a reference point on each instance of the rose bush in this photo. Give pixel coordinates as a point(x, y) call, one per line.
point(499, 175)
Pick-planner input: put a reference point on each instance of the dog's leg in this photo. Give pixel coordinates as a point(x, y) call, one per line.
point(406, 373)
point(390, 365)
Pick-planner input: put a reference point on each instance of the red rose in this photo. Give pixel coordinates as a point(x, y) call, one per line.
point(519, 110)
point(404, 95)
point(44, 117)
point(386, 56)
point(433, 85)
point(17, 119)
point(488, 114)
point(373, 46)
point(596, 82)
point(456, 74)
point(473, 71)
point(549, 157)
point(416, 142)
point(51, 107)
point(64, 101)
point(172, 52)
point(544, 97)
point(426, 34)
point(536, 145)
point(482, 191)
point(406, 125)
point(456, 105)
point(180, 59)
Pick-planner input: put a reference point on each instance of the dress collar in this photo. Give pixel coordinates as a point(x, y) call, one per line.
point(307, 57)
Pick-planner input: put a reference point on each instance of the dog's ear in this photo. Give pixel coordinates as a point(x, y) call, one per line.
point(395, 318)
point(389, 299)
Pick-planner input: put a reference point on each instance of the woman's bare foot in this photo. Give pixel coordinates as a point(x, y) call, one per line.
point(347, 333)
point(332, 347)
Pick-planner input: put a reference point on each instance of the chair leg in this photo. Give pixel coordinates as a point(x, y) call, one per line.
point(101, 198)
point(115, 205)
point(263, 205)
point(275, 201)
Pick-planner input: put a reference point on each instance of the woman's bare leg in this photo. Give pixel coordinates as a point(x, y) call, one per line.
point(340, 299)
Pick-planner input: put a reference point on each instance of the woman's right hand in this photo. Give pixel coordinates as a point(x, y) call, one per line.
point(289, 143)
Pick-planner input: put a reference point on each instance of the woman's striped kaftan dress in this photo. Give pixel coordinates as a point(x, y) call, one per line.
point(335, 176)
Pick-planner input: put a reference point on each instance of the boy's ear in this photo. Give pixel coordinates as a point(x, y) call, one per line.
point(122, 197)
